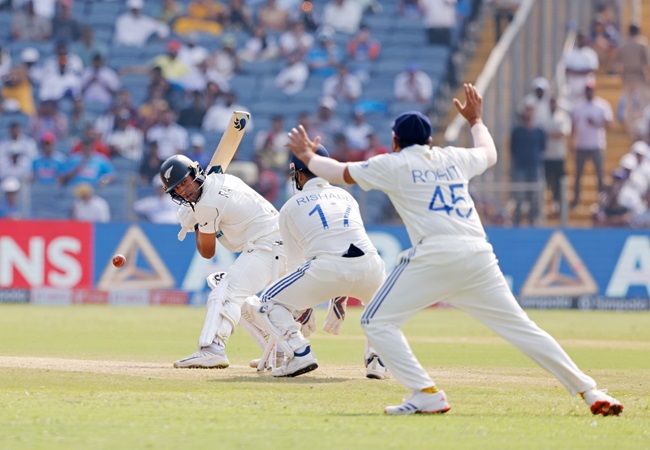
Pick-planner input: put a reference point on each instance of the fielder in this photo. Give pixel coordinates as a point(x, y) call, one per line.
point(325, 239)
point(222, 207)
point(450, 259)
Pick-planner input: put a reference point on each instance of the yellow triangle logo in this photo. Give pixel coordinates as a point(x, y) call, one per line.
point(130, 276)
point(546, 280)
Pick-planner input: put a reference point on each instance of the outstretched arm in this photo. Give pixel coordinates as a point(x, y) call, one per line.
point(472, 111)
point(305, 150)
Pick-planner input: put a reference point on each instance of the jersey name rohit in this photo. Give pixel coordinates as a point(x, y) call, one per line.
point(322, 196)
point(449, 173)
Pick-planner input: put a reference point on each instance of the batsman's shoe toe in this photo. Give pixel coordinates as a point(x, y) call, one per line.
point(421, 403)
point(376, 370)
point(206, 358)
point(297, 365)
point(601, 403)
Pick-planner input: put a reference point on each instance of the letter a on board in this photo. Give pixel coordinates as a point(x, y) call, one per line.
point(546, 278)
point(130, 276)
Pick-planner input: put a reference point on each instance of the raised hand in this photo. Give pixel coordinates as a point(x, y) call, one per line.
point(472, 110)
point(300, 144)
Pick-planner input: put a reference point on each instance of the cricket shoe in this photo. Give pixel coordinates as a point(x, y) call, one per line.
point(601, 403)
point(421, 403)
point(375, 369)
point(206, 358)
point(300, 363)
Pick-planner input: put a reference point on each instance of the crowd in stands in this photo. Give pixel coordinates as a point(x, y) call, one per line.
point(96, 94)
point(574, 124)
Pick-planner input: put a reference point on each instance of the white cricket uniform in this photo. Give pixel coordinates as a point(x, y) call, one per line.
point(450, 261)
point(318, 225)
point(244, 222)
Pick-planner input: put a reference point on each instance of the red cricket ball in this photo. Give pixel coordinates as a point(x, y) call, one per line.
point(119, 260)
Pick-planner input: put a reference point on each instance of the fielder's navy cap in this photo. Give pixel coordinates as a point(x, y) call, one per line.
point(412, 127)
point(299, 165)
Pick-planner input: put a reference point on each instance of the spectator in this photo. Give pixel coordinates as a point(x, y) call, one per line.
point(610, 213)
point(604, 40)
point(18, 142)
point(171, 137)
point(272, 17)
point(61, 76)
point(527, 143)
point(632, 61)
point(591, 117)
point(260, 46)
point(47, 168)
point(134, 29)
point(440, 21)
point(270, 145)
point(11, 207)
point(343, 152)
point(172, 68)
point(238, 16)
point(29, 57)
point(357, 131)
point(18, 87)
point(540, 101)
point(201, 74)
point(203, 16)
point(79, 118)
point(226, 62)
point(99, 83)
point(296, 39)
point(65, 28)
point(362, 50)
point(152, 110)
point(581, 64)
point(325, 56)
point(150, 165)
point(633, 192)
point(642, 219)
point(157, 208)
point(503, 10)
point(87, 46)
point(89, 207)
point(268, 182)
point(343, 15)
point(169, 12)
point(29, 26)
point(125, 140)
point(218, 115)
point(15, 163)
point(375, 147)
point(192, 116)
point(87, 166)
point(92, 136)
point(342, 86)
point(191, 52)
point(292, 78)
point(558, 129)
point(413, 85)
point(327, 124)
point(411, 9)
point(197, 150)
point(48, 118)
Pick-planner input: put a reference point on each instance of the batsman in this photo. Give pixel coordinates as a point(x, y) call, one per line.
point(221, 207)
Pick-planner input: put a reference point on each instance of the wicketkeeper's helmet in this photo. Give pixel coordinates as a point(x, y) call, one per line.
point(295, 166)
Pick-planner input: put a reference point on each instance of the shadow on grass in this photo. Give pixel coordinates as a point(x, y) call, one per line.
point(268, 379)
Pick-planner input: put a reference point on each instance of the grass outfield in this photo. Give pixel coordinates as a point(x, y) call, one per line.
point(101, 377)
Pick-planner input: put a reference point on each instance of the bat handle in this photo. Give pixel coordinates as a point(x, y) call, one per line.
point(182, 234)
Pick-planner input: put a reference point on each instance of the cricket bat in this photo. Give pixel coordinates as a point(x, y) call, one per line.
point(229, 142)
point(228, 145)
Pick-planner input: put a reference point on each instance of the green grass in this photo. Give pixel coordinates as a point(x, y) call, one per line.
point(129, 396)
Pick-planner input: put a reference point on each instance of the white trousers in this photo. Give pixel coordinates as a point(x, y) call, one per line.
point(465, 274)
point(327, 277)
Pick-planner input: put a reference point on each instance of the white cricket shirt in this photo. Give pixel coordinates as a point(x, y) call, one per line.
point(239, 215)
point(428, 187)
point(321, 220)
